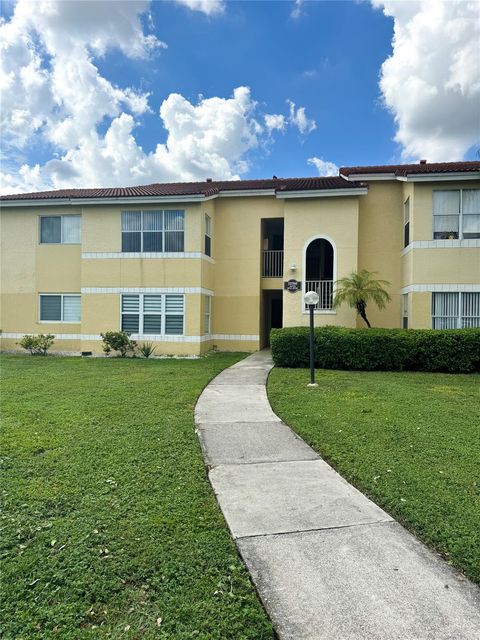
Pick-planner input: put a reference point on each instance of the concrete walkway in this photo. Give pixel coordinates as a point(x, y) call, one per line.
point(326, 561)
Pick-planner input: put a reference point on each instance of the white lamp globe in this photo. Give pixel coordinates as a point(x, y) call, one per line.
point(311, 298)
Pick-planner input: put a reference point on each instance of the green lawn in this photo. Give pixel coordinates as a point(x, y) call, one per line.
point(411, 441)
point(110, 528)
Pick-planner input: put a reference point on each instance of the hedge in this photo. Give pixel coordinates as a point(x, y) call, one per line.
point(452, 350)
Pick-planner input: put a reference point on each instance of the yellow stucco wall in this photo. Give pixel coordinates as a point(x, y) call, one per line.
point(439, 263)
point(441, 266)
point(367, 232)
point(420, 310)
point(335, 219)
point(237, 237)
point(423, 199)
point(379, 244)
point(101, 225)
point(141, 272)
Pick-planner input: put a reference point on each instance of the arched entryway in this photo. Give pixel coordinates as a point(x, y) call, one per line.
point(320, 270)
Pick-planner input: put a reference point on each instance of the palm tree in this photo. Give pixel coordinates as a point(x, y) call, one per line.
point(359, 288)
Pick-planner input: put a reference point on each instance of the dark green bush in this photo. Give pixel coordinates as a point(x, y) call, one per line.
point(118, 341)
point(37, 344)
point(453, 350)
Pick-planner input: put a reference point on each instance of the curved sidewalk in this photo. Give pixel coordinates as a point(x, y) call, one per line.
point(326, 561)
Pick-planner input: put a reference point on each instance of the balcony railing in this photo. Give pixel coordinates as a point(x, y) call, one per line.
point(272, 264)
point(324, 288)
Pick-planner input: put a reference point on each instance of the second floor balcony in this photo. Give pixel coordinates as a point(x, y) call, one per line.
point(324, 288)
point(272, 264)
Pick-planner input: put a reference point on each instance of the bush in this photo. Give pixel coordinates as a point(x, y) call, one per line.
point(37, 345)
point(452, 350)
point(118, 341)
point(147, 349)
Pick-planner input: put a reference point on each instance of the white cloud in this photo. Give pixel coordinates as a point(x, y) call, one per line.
point(208, 7)
point(324, 167)
point(56, 98)
point(210, 138)
point(431, 82)
point(207, 139)
point(49, 82)
point(297, 10)
point(298, 118)
point(275, 121)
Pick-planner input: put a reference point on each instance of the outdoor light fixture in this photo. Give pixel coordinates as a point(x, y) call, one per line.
point(293, 267)
point(311, 300)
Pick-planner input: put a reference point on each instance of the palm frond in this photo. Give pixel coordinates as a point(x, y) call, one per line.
point(361, 287)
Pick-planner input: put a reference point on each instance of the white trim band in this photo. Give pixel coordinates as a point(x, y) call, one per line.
point(440, 177)
point(138, 336)
point(240, 193)
point(413, 177)
point(469, 243)
point(360, 177)
point(146, 255)
point(59, 336)
point(441, 288)
point(51, 202)
point(207, 292)
point(226, 336)
point(322, 193)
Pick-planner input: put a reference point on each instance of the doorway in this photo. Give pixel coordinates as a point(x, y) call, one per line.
point(272, 313)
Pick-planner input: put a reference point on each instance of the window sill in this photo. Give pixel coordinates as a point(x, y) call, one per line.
point(467, 243)
point(78, 322)
point(145, 255)
point(158, 337)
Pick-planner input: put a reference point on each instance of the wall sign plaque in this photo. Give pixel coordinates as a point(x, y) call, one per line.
point(292, 286)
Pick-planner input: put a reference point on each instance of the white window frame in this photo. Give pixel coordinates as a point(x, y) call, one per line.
point(163, 314)
point(406, 220)
point(405, 310)
point(303, 309)
point(207, 319)
point(163, 231)
point(460, 214)
point(459, 318)
point(208, 233)
point(62, 217)
point(62, 296)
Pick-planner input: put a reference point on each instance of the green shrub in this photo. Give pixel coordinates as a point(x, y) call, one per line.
point(37, 345)
point(118, 341)
point(147, 349)
point(452, 350)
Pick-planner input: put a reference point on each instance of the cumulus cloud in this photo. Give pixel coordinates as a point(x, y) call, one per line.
point(324, 167)
point(208, 7)
point(48, 80)
point(431, 82)
point(209, 138)
point(55, 97)
point(298, 118)
point(275, 121)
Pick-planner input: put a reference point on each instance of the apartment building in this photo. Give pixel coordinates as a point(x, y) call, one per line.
point(195, 266)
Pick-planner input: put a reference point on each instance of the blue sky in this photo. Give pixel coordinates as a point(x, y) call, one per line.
point(78, 66)
point(327, 60)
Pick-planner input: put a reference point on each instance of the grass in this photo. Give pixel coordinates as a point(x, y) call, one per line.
point(411, 441)
point(110, 528)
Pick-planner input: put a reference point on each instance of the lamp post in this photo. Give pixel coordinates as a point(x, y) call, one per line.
point(311, 300)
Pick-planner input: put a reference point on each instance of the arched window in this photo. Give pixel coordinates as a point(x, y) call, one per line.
point(319, 271)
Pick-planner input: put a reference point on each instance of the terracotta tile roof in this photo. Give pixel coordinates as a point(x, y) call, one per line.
point(190, 188)
point(212, 188)
point(406, 169)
